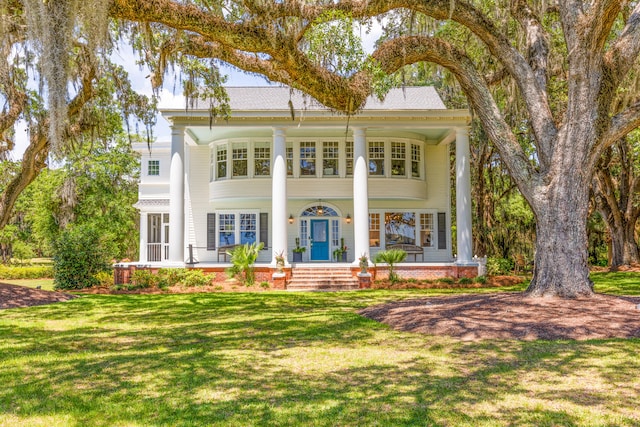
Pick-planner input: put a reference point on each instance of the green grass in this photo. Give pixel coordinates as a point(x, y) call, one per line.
point(299, 359)
point(46, 284)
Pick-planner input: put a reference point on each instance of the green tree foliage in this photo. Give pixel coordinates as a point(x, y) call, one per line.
point(80, 254)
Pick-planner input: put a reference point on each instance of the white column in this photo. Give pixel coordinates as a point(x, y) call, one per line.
point(279, 196)
point(176, 197)
point(360, 195)
point(463, 197)
point(144, 233)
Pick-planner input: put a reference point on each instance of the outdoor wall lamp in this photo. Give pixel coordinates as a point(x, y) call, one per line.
point(348, 219)
point(290, 219)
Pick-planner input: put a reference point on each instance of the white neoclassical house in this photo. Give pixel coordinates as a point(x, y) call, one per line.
point(285, 171)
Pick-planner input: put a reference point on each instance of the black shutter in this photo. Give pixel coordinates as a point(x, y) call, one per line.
point(442, 230)
point(211, 231)
point(264, 229)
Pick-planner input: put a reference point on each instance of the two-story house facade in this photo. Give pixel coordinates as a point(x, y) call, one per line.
point(286, 171)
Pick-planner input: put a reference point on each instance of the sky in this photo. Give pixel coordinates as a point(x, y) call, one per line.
point(141, 84)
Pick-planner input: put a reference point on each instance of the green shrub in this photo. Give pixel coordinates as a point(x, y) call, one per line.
point(143, 279)
point(465, 281)
point(391, 257)
point(172, 276)
point(447, 280)
point(104, 278)
point(264, 285)
point(196, 278)
point(80, 254)
point(30, 272)
point(243, 257)
point(499, 266)
point(481, 279)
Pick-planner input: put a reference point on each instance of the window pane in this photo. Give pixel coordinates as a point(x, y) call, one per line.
point(330, 159)
point(226, 229)
point(415, 160)
point(400, 227)
point(398, 158)
point(289, 160)
point(247, 228)
point(426, 229)
point(349, 155)
point(308, 158)
point(222, 162)
point(376, 158)
point(304, 232)
point(153, 167)
point(262, 158)
point(239, 157)
point(374, 230)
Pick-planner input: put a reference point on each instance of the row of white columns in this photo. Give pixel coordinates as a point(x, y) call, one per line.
point(279, 196)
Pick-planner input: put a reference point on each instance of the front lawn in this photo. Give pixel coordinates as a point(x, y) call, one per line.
point(235, 359)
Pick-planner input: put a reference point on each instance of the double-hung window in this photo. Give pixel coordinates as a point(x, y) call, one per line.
point(415, 160)
point(239, 159)
point(307, 158)
point(376, 158)
point(262, 159)
point(398, 158)
point(221, 162)
point(330, 158)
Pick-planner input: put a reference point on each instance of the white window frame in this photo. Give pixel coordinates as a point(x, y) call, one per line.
point(156, 167)
point(237, 223)
point(418, 229)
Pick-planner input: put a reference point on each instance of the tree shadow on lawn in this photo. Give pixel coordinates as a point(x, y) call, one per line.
point(196, 360)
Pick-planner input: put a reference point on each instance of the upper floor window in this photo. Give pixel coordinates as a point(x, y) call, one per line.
point(289, 159)
point(262, 159)
point(307, 158)
point(349, 157)
point(239, 158)
point(376, 158)
point(221, 162)
point(153, 168)
point(415, 160)
point(330, 155)
point(398, 158)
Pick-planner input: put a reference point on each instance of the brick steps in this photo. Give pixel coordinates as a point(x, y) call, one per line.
point(322, 279)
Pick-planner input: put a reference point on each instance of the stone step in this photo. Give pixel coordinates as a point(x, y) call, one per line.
point(322, 279)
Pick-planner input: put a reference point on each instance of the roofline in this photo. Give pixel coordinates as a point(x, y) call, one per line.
point(283, 117)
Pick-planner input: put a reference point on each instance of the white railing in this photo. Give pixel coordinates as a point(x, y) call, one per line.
point(154, 252)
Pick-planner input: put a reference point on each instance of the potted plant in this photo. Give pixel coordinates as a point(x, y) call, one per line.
point(364, 264)
point(340, 253)
point(298, 251)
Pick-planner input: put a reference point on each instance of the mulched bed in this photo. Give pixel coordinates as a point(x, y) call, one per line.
point(513, 316)
point(14, 296)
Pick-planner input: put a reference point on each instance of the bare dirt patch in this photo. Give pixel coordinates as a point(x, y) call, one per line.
point(14, 296)
point(514, 316)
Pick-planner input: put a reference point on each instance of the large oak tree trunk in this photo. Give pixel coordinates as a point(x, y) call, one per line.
point(561, 261)
point(624, 247)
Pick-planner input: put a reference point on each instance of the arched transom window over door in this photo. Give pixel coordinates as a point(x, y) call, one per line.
point(321, 235)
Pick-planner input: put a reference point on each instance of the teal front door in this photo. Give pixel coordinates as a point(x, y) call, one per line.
point(319, 240)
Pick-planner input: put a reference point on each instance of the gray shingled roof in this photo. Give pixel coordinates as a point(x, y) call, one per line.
point(277, 98)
